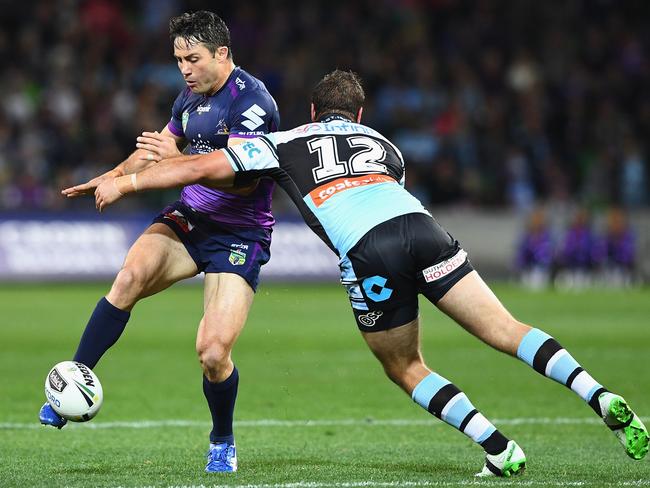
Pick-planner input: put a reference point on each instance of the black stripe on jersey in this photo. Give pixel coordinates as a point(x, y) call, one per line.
point(573, 375)
point(544, 355)
point(270, 146)
point(235, 158)
point(466, 420)
point(441, 399)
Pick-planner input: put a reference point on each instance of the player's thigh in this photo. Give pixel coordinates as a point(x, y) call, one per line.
point(158, 258)
point(473, 305)
point(227, 300)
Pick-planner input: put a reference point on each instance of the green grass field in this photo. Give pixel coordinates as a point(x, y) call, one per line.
point(314, 408)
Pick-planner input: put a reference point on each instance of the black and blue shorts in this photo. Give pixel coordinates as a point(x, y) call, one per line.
point(393, 263)
point(219, 248)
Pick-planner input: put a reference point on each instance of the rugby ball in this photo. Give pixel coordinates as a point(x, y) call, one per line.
point(73, 391)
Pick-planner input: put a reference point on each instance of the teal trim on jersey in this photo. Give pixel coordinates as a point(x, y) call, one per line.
point(347, 216)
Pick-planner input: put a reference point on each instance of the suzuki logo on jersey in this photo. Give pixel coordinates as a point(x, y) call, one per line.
point(254, 117)
point(240, 83)
point(441, 270)
point(201, 110)
point(324, 192)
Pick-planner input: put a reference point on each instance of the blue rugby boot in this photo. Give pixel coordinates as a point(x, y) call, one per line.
point(48, 416)
point(222, 458)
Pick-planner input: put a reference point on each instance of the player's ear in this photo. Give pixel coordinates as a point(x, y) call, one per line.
point(359, 115)
point(221, 53)
point(312, 112)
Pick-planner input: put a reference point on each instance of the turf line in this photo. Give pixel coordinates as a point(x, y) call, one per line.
point(408, 484)
point(154, 424)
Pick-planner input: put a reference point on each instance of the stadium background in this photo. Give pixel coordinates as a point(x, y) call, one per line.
point(498, 107)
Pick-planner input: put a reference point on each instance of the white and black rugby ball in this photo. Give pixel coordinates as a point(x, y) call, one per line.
point(73, 391)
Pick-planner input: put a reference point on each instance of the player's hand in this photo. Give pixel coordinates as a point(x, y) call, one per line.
point(158, 147)
point(90, 186)
point(106, 194)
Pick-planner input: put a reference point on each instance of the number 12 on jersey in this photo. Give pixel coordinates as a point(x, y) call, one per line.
point(364, 161)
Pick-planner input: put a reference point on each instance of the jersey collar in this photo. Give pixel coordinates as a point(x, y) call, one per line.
point(331, 117)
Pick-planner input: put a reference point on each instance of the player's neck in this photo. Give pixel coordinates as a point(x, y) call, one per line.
point(229, 67)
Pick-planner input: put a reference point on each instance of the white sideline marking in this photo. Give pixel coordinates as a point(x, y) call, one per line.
point(154, 424)
point(408, 484)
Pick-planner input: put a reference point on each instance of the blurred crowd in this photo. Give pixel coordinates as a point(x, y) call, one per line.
point(583, 254)
point(504, 103)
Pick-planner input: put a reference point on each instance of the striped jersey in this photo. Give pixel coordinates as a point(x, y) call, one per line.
point(344, 177)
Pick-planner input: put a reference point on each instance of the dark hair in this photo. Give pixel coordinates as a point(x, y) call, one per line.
point(338, 92)
point(202, 27)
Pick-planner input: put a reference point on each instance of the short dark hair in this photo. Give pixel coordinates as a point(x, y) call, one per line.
point(338, 92)
point(202, 27)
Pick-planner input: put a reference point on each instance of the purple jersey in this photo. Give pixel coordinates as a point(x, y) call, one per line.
point(241, 108)
point(535, 250)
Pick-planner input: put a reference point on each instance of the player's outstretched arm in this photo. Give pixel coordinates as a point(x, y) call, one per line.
point(139, 159)
point(212, 169)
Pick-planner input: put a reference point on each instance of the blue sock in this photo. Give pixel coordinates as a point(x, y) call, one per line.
point(221, 400)
point(444, 400)
point(104, 328)
point(546, 356)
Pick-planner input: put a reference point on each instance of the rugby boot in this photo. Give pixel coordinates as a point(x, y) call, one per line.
point(48, 416)
point(510, 462)
point(222, 458)
point(625, 424)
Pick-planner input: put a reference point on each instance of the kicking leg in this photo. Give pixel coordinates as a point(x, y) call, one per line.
point(228, 298)
point(398, 350)
point(155, 261)
point(472, 304)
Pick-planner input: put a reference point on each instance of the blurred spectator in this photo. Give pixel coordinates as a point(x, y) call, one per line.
point(492, 103)
point(620, 250)
point(581, 253)
point(535, 253)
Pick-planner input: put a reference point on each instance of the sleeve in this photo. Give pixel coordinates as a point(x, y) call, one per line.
point(175, 124)
point(255, 158)
point(253, 114)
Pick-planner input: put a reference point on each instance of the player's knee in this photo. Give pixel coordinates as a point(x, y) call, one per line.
point(130, 281)
point(398, 369)
point(214, 357)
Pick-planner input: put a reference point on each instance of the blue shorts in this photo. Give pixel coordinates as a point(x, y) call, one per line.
point(219, 248)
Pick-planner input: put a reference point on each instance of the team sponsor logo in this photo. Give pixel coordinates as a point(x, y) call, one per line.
point(370, 319)
point(238, 254)
point(56, 381)
point(441, 270)
point(180, 220)
point(324, 192)
point(184, 118)
point(240, 83)
point(253, 117)
point(376, 289)
point(202, 110)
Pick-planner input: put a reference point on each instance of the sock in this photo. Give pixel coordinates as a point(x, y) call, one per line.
point(444, 400)
point(221, 400)
point(548, 357)
point(104, 328)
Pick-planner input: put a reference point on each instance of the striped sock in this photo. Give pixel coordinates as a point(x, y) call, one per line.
point(444, 400)
point(548, 357)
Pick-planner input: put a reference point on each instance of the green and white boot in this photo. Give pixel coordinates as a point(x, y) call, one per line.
point(510, 462)
point(625, 424)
